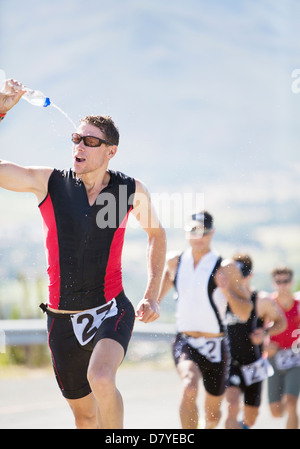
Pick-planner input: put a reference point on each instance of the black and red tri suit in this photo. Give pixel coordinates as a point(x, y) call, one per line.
point(84, 248)
point(84, 260)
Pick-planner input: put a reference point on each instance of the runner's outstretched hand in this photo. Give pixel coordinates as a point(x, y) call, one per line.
point(147, 310)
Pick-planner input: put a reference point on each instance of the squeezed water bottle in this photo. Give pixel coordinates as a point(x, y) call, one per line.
point(36, 97)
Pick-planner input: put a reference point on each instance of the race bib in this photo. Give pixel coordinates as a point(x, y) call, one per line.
point(210, 348)
point(257, 371)
point(287, 358)
point(85, 324)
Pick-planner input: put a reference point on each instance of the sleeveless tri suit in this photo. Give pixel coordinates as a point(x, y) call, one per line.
point(201, 307)
point(245, 355)
point(83, 245)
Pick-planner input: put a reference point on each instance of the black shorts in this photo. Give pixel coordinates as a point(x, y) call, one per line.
point(215, 375)
point(252, 393)
point(70, 359)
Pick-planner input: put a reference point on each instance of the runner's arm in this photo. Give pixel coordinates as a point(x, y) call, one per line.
point(148, 309)
point(168, 277)
point(229, 279)
point(274, 319)
point(25, 179)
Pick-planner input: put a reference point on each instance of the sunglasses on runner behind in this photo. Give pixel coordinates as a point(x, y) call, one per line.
point(197, 230)
point(283, 281)
point(89, 141)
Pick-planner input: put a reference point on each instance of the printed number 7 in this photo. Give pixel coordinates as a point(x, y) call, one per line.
point(212, 348)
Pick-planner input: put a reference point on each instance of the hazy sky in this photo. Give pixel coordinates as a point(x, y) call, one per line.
point(196, 87)
point(200, 89)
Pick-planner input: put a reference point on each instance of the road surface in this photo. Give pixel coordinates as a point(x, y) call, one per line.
point(31, 399)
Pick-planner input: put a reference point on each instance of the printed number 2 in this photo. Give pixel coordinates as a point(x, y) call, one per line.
point(211, 345)
point(87, 331)
point(256, 372)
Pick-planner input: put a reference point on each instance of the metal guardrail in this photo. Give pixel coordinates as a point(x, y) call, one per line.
point(26, 332)
point(154, 331)
point(23, 332)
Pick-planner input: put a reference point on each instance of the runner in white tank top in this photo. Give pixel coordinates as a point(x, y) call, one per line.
point(205, 285)
point(195, 311)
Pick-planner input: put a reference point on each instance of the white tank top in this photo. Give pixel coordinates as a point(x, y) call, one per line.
point(199, 308)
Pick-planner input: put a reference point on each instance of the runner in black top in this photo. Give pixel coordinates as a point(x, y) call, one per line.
point(84, 213)
point(248, 366)
point(80, 258)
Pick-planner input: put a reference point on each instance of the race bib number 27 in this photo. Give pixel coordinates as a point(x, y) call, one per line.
point(85, 324)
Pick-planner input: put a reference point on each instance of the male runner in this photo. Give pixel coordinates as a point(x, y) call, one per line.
point(284, 351)
point(84, 211)
point(248, 368)
point(205, 285)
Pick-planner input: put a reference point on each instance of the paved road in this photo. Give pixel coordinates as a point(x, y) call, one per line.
point(33, 401)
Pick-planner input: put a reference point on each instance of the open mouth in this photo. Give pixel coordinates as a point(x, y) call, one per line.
point(79, 159)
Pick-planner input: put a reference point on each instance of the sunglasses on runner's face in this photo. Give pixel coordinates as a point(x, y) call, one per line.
point(282, 281)
point(198, 231)
point(89, 141)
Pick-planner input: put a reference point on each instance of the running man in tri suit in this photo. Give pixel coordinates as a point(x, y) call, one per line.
point(248, 367)
point(84, 212)
point(205, 285)
point(284, 351)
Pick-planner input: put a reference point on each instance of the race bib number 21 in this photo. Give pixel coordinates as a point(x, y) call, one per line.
point(257, 371)
point(211, 348)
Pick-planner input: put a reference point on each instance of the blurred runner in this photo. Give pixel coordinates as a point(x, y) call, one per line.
point(284, 351)
point(248, 367)
point(205, 285)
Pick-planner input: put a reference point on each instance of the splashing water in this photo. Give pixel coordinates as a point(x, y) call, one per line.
point(64, 113)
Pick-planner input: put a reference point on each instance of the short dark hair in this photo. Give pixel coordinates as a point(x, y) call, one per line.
point(203, 217)
point(244, 262)
point(106, 125)
point(282, 270)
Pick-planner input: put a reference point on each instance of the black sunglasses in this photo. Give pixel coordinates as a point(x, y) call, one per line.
point(89, 141)
point(283, 281)
point(197, 230)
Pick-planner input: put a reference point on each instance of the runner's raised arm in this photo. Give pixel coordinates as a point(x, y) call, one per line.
point(12, 176)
